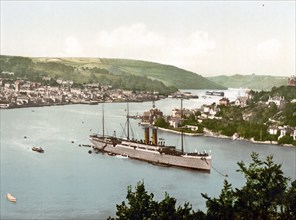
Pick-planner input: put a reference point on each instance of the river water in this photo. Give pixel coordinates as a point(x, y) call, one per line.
point(68, 183)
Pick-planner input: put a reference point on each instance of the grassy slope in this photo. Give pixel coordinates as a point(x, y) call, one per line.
point(169, 75)
point(260, 82)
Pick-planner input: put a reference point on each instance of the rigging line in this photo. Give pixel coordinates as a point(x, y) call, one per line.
point(225, 175)
point(205, 159)
point(123, 130)
point(133, 135)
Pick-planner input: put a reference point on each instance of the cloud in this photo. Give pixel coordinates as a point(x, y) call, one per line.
point(72, 47)
point(135, 36)
point(190, 50)
point(269, 49)
point(136, 41)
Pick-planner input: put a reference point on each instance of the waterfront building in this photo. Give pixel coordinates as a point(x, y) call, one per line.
point(287, 130)
point(241, 101)
point(192, 127)
point(224, 101)
point(175, 121)
point(273, 129)
point(279, 101)
point(292, 81)
point(152, 114)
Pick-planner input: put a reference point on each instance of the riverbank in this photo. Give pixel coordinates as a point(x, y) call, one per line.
point(209, 133)
point(178, 132)
point(171, 130)
point(70, 103)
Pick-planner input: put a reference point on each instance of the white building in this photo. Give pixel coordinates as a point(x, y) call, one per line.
point(191, 127)
point(273, 130)
point(241, 101)
point(279, 101)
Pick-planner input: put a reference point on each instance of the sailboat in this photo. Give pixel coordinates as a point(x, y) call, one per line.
point(154, 151)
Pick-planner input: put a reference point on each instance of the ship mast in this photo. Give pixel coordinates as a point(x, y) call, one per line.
point(182, 147)
point(103, 121)
point(127, 118)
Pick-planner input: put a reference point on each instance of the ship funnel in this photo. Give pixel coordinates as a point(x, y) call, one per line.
point(146, 135)
point(154, 136)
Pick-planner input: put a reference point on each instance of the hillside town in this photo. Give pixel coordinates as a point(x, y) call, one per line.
point(197, 121)
point(25, 93)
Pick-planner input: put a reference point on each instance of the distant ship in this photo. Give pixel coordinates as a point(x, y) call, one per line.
point(154, 151)
point(216, 93)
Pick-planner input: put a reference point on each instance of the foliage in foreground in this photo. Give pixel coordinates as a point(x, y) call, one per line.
point(141, 205)
point(266, 195)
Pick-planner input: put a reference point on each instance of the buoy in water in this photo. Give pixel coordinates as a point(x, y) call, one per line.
point(89, 151)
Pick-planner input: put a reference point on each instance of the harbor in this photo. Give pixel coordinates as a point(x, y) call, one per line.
point(82, 185)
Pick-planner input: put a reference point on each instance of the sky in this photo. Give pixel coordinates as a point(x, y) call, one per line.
point(209, 38)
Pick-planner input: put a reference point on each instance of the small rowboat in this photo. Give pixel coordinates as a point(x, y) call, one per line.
point(38, 149)
point(11, 198)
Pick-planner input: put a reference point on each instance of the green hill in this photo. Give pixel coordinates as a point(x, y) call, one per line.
point(112, 71)
point(169, 75)
point(259, 82)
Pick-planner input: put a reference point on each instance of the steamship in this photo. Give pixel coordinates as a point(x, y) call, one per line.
point(215, 93)
point(154, 151)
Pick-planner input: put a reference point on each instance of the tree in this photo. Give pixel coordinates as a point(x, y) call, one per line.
point(289, 113)
point(287, 139)
point(263, 196)
point(290, 211)
point(264, 190)
point(142, 206)
point(160, 122)
point(222, 207)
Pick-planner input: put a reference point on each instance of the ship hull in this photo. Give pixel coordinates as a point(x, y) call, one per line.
point(151, 154)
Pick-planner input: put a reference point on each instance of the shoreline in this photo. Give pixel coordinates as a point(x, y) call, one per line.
point(178, 132)
point(68, 103)
point(215, 135)
point(208, 133)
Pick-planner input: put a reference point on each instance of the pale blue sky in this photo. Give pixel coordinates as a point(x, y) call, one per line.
point(206, 37)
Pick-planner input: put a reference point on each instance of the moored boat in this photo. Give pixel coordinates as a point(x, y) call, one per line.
point(38, 149)
point(151, 152)
point(10, 198)
point(215, 93)
point(155, 151)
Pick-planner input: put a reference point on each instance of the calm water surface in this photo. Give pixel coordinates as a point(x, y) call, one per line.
point(68, 183)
